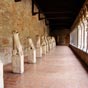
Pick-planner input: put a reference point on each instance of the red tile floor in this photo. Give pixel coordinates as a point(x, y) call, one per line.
point(60, 68)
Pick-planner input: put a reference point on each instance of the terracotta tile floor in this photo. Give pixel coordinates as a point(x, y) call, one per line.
point(60, 68)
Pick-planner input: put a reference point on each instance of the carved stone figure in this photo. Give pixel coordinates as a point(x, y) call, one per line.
point(43, 46)
point(17, 55)
point(38, 47)
point(48, 39)
point(31, 52)
point(1, 75)
point(50, 43)
point(47, 47)
point(53, 42)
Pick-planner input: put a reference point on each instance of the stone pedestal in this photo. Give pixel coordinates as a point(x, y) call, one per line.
point(54, 44)
point(39, 52)
point(32, 56)
point(17, 64)
point(44, 49)
point(47, 47)
point(50, 43)
point(17, 55)
point(50, 46)
point(48, 40)
point(1, 75)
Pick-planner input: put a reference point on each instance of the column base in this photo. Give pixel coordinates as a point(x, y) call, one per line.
point(18, 64)
point(32, 56)
point(39, 52)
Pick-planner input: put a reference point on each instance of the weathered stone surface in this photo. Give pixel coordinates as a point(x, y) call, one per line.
point(39, 52)
point(38, 41)
point(5, 54)
point(44, 48)
point(31, 52)
point(53, 42)
point(1, 75)
point(50, 43)
point(38, 47)
point(32, 56)
point(31, 44)
point(18, 56)
point(17, 64)
point(47, 47)
point(18, 16)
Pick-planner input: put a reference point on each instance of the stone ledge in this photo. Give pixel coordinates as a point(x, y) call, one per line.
point(83, 55)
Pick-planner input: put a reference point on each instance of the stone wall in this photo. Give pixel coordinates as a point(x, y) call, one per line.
point(17, 16)
point(83, 55)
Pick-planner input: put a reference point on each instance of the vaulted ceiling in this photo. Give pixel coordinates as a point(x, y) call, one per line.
point(60, 13)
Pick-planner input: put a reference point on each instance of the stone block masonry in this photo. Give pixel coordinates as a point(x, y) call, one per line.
point(18, 16)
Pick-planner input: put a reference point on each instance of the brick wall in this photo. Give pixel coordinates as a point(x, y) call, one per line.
point(17, 16)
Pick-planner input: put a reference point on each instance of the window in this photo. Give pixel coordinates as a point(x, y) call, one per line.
point(85, 35)
point(73, 37)
point(79, 36)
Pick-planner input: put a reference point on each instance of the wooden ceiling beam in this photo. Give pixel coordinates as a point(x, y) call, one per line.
point(52, 18)
point(17, 0)
point(60, 12)
point(60, 24)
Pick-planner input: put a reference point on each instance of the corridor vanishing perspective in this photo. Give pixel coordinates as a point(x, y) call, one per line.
point(43, 43)
point(60, 68)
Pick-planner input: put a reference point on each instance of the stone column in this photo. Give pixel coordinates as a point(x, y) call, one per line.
point(43, 46)
point(87, 36)
point(38, 47)
point(31, 52)
point(86, 16)
point(17, 55)
point(1, 75)
point(82, 30)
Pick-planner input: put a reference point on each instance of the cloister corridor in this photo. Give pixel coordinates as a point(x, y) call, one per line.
point(60, 68)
